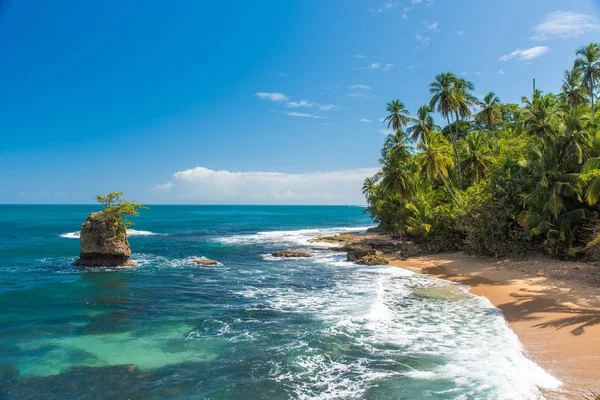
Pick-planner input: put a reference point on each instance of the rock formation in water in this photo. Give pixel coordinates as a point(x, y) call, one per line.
point(358, 251)
point(102, 245)
point(373, 260)
point(289, 253)
point(204, 261)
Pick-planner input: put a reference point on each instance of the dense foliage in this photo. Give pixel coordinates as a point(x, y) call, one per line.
point(498, 179)
point(116, 211)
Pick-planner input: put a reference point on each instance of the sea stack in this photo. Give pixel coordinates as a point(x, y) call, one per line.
point(102, 245)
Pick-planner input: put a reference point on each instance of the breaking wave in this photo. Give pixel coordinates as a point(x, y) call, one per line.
point(130, 232)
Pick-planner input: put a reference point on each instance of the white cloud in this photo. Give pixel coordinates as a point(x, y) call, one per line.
point(410, 67)
point(327, 107)
point(404, 16)
point(461, 33)
point(385, 132)
point(304, 115)
point(473, 73)
point(433, 27)
point(500, 72)
point(423, 40)
point(301, 103)
point(526, 55)
point(416, 1)
point(565, 24)
point(362, 57)
point(205, 186)
point(365, 87)
point(305, 103)
point(278, 97)
point(387, 6)
point(378, 66)
point(361, 95)
point(364, 120)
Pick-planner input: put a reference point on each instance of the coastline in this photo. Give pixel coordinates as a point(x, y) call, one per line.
point(548, 303)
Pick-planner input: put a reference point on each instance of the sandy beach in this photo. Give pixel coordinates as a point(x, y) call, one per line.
point(553, 306)
point(556, 319)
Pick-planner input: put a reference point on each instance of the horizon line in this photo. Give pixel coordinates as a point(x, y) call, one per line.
point(190, 204)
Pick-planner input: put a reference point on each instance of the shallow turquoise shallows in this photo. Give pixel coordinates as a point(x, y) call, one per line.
point(253, 327)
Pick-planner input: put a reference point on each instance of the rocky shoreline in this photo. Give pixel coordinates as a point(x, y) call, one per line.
point(369, 248)
point(388, 250)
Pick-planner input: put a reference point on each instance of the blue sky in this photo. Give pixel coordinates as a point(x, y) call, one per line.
point(246, 102)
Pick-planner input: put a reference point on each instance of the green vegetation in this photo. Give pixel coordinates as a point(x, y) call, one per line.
point(116, 211)
point(498, 179)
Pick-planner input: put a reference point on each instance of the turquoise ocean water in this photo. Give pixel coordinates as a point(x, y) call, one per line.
point(253, 327)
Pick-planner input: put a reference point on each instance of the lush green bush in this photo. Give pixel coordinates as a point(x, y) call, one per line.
point(445, 235)
point(488, 220)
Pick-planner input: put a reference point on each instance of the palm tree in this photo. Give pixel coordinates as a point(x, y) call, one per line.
point(573, 92)
point(434, 159)
point(446, 101)
point(396, 146)
point(466, 100)
point(396, 178)
point(396, 171)
point(397, 115)
point(490, 113)
point(370, 184)
point(540, 116)
point(588, 62)
point(464, 89)
point(478, 156)
point(591, 178)
point(422, 216)
point(423, 126)
point(575, 143)
point(548, 210)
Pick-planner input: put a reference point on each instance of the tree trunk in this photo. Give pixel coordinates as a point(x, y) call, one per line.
point(592, 96)
point(453, 138)
point(444, 180)
point(492, 128)
point(460, 178)
point(448, 187)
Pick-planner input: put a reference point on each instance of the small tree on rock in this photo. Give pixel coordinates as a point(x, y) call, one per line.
point(116, 211)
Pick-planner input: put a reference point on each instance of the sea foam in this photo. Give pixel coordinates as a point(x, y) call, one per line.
point(130, 232)
point(292, 237)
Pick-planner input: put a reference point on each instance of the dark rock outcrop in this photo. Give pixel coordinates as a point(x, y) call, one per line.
point(376, 229)
point(336, 239)
point(204, 261)
point(357, 251)
point(101, 245)
point(373, 260)
point(289, 253)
